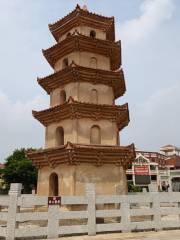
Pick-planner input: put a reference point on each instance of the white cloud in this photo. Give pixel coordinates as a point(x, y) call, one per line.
point(152, 73)
point(18, 128)
point(155, 122)
point(153, 14)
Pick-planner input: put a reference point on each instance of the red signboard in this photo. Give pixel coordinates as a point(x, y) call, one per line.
point(141, 170)
point(54, 200)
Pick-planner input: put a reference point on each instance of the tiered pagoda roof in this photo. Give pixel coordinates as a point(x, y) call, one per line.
point(82, 17)
point(74, 109)
point(78, 42)
point(75, 73)
point(74, 154)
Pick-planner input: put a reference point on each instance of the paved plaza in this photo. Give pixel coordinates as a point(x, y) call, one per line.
point(161, 235)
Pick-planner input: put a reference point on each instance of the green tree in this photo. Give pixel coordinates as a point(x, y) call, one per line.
point(133, 188)
point(19, 169)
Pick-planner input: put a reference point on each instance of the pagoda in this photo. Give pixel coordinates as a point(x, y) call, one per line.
point(83, 123)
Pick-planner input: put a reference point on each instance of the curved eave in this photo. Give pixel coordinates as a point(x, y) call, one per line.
point(73, 154)
point(81, 17)
point(83, 43)
point(82, 74)
point(76, 110)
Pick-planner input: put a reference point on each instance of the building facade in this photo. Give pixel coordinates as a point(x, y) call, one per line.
point(170, 150)
point(148, 168)
point(173, 162)
point(83, 123)
point(156, 168)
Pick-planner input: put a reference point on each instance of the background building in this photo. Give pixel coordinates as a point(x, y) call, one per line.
point(148, 168)
point(160, 169)
point(173, 162)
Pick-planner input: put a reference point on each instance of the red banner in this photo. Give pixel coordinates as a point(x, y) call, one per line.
point(141, 170)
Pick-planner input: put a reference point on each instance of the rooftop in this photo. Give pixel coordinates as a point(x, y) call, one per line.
point(169, 147)
point(80, 16)
point(2, 166)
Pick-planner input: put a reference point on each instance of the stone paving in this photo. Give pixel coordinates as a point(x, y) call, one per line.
point(161, 235)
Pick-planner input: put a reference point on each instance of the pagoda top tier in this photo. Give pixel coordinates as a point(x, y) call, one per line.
point(82, 17)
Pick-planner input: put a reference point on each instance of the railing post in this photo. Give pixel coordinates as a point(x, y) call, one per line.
point(53, 221)
point(14, 193)
point(157, 211)
point(125, 214)
point(91, 208)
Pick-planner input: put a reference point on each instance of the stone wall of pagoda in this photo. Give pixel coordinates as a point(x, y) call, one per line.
point(85, 59)
point(83, 92)
point(72, 179)
point(79, 131)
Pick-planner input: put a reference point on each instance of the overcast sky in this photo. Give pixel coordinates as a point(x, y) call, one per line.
point(150, 35)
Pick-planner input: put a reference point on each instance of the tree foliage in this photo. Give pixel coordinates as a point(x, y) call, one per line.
point(19, 169)
point(133, 188)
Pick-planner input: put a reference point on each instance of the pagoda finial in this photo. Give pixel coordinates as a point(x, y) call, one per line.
point(85, 8)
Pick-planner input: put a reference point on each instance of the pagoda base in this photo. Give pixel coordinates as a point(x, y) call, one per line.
point(72, 179)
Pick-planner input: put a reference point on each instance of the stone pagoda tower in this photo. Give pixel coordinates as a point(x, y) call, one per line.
point(83, 123)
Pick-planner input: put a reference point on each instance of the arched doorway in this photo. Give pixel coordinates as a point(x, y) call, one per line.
point(93, 62)
point(94, 96)
point(65, 63)
point(62, 97)
point(59, 136)
point(95, 135)
point(53, 185)
point(92, 34)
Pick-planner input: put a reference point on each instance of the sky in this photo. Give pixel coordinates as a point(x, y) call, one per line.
point(150, 35)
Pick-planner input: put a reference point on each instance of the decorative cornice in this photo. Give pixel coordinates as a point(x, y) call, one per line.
point(76, 110)
point(74, 154)
point(75, 73)
point(78, 42)
point(79, 17)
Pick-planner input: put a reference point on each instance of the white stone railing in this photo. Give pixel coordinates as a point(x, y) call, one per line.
point(153, 211)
